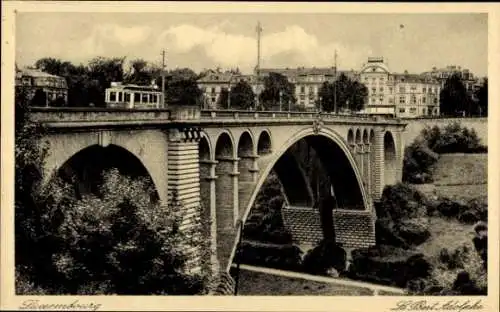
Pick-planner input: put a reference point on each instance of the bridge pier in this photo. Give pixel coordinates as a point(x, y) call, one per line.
point(226, 206)
point(184, 181)
point(378, 168)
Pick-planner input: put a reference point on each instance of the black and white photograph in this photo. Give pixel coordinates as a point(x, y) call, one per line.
point(160, 149)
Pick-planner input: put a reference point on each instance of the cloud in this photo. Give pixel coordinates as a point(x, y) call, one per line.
point(231, 50)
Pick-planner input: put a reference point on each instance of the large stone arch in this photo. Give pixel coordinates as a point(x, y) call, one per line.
point(269, 164)
point(63, 146)
point(84, 169)
point(390, 159)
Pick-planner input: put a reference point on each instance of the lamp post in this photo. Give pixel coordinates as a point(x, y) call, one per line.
point(280, 95)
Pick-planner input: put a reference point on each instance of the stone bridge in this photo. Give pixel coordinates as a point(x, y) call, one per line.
point(220, 159)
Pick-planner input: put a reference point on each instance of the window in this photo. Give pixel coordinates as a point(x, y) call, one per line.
point(302, 89)
point(311, 90)
point(424, 111)
point(413, 88)
point(373, 79)
point(390, 90)
point(120, 96)
point(391, 100)
point(402, 100)
point(144, 98)
point(112, 96)
point(413, 99)
point(381, 79)
point(137, 97)
point(381, 89)
point(213, 90)
point(413, 110)
point(302, 97)
point(366, 78)
point(402, 89)
point(435, 100)
point(423, 100)
point(127, 97)
point(401, 110)
point(154, 98)
point(374, 90)
point(381, 99)
point(424, 90)
point(213, 99)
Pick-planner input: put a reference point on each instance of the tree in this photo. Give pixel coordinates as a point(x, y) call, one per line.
point(140, 73)
point(454, 98)
point(344, 93)
point(182, 88)
point(222, 101)
point(277, 89)
point(242, 96)
point(482, 96)
point(30, 154)
point(103, 71)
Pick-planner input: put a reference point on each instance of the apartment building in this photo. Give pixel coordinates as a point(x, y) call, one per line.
point(49, 87)
point(401, 95)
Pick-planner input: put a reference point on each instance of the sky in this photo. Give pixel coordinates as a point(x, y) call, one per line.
point(413, 42)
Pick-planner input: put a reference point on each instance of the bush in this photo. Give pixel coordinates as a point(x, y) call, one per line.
point(454, 259)
point(323, 257)
point(284, 257)
point(417, 163)
point(414, 231)
point(122, 242)
point(457, 139)
point(386, 234)
point(400, 201)
point(480, 241)
point(449, 208)
point(388, 265)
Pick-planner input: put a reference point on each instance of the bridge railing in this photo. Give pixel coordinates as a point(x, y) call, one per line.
point(244, 114)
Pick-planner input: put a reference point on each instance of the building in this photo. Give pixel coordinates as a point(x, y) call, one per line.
point(400, 95)
point(50, 89)
point(215, 82)
point(307, 82)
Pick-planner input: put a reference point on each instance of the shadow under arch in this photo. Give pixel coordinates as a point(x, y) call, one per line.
point(85, 168)
point(316, 139)
point(390, 159)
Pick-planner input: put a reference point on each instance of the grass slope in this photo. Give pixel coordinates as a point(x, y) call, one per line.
point(459, 177)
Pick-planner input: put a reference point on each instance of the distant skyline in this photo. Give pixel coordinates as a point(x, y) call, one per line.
point(413, 42)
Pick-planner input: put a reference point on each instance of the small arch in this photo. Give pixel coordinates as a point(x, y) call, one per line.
point(245, 155)
point(350, 137)
point(372, 136)
point(365, 137)
point(204, 149)
point(390, 164)
point(224, 146)
point(245, 144)
point(264, 144)
point(358, 136)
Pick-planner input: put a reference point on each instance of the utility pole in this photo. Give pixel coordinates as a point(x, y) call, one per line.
point(257, 67)
point(335, 85)
point(163, 66)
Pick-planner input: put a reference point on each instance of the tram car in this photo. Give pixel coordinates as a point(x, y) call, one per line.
point(133, 96)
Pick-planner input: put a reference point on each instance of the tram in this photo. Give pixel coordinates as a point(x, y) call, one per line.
point(133, 96)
